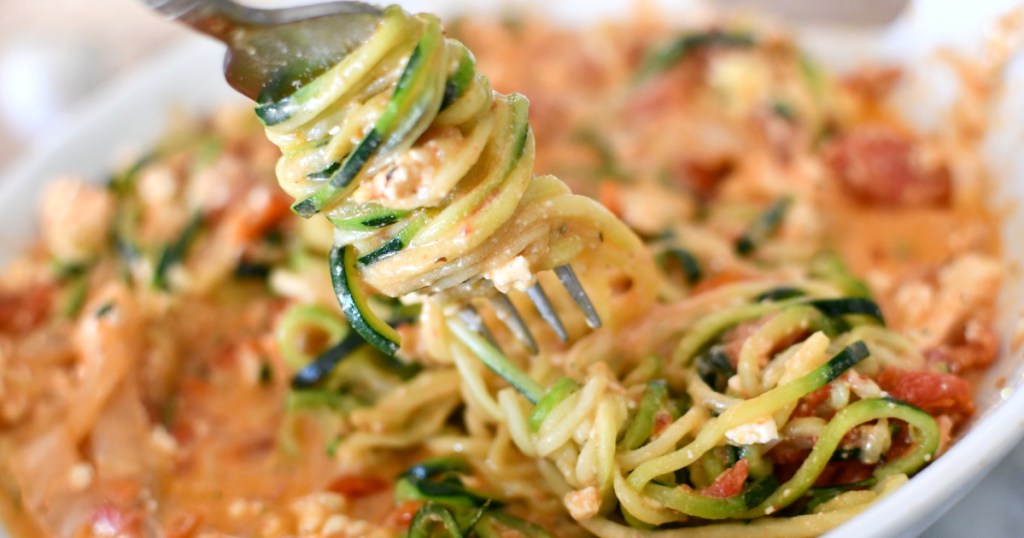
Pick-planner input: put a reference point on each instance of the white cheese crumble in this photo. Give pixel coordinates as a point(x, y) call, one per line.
point(760, 431)
point(80, 476)
point(583, 504)
point(514, 275)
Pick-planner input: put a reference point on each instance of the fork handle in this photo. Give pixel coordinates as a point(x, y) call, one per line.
point(216, 18)
point(220, 18)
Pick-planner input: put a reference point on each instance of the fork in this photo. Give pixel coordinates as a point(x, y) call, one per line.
point(264, 45)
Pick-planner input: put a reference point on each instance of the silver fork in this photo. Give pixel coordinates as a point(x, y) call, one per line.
point(511, 318)
point(264, 47)
point(264, 44)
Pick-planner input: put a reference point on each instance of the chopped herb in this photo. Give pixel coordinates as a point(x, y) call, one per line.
point(763, 227)
point(124, 181)
point(210, 149)
point(75, 297)
point(642, 426)
point(124, 247)
point(784, 110)
point(450, 505)
point(266, 375)
point(326, 173)
point(255, 270)
point(318, 370)
point(821, 495)
point(714, 368)
point(664, 58)
point(686, 261)
point(780, 293)
point(63, 271)
point(173, 253)
point(830, 266)
point(332, 446)
point(168, 411)
point(759, 491)
point(849, 305)
point(554, 396)
point(105, 309)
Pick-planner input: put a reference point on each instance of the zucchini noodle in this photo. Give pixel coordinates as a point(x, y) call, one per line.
point(601, 435)
point(428, 174)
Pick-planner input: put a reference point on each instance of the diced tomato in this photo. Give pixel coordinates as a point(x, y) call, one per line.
point(976, 353)
point(25, 309)
point(257, 213)
point(873, 83)
point(787, 452)
point(809, 404)
point(718, 280)
point(729, 483)
point(355, 486)
point(184, 524)
point(111, 520)
point(701, 177)
point(662, 419)
point(733, 339)
point(935, 392)
point(661, 93)
point(609, 194)
point(843, 472)
point(786, 458)
point(877, 165)
point(402, 515)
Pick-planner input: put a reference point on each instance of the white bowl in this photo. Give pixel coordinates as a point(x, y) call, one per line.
point(133, 112)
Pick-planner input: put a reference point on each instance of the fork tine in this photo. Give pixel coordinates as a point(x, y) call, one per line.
point(547, 310)
point(578, 294)
point(474, 321)
point(508, 314)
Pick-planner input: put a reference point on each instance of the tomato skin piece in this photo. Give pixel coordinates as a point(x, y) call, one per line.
point(110, 519)
point(877, 165)
point(935, 392)
point(402, 515)
point(356, 486)
point(609, 194)
point(23, 310)
point(258, 212)
point(729, 483)
point(809, 405)
point(718, 280)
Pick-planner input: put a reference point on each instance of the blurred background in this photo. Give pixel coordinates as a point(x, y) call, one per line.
point(55, 52)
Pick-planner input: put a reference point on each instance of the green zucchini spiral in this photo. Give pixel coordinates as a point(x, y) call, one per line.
point(427, 174)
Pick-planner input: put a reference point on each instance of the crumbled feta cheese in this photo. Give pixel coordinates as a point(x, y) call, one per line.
point(513, 275)
point(583, 504)
point(75, 218)
point(80, 476)
point(312, 511)
point(809, 356)
point(863, 386)
point(741, 80)
point(340, 526)
point(163, 440)
point(735, 384)
point(760, 431)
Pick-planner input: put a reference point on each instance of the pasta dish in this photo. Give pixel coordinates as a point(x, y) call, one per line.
point(254, 328)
